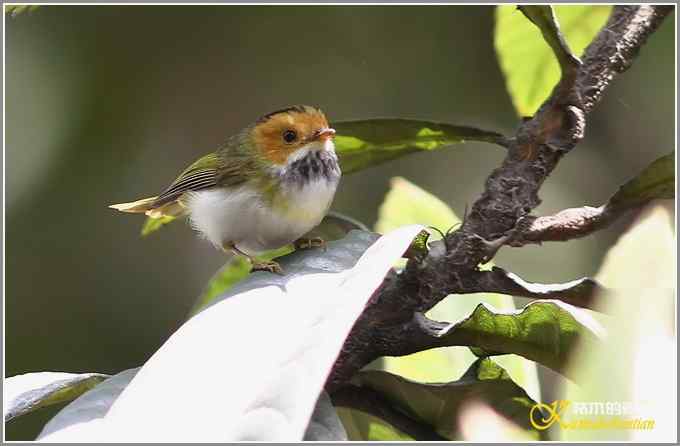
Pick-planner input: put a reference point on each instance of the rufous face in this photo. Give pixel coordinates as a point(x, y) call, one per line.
point(283, 132)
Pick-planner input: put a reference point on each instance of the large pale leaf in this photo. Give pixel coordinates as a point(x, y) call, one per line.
point(530, 68)
point(252, 365)
point(31, 391)
point(95, 404)
point(361, 144)
point(405, 204)
point(638, 367)
point(438, 405)
point(656, 181)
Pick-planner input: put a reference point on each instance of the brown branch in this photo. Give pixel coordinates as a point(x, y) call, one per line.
point(509, 196)
point(566, 225)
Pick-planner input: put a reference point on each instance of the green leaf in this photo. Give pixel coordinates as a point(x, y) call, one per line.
point(361, 426)
point(439, 405)
point(527, 62)
point(546, 332)
point(334, 226)
point(152, 225)
point(656, 181)
point(406, 204)
point(365, 143)
point(25, 393)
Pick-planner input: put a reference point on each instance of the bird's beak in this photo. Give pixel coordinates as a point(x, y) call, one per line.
point(324, 134)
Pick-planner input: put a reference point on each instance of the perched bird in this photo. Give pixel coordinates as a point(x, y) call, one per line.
point(262, 189)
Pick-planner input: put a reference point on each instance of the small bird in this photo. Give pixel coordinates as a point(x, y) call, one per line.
point(263, 189)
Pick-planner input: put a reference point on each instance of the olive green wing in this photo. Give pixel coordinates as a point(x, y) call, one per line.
point(202, 174)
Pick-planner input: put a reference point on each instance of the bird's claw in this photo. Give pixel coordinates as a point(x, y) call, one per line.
point(308, 243)
point(270, 266)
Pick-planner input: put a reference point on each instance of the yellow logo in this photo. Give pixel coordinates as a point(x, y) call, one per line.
point(553, 411)
point(601, 415)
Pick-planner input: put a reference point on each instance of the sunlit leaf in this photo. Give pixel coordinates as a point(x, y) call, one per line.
point(31, 391)
point(530, 68)
point(406, 203)
point(543, 16)
point(361, 144)
point(546, 332)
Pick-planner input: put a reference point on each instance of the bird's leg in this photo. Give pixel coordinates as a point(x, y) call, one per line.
point(270, 266)
point(307, 243)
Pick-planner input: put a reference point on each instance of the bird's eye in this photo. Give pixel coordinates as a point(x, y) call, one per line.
point(289, 136)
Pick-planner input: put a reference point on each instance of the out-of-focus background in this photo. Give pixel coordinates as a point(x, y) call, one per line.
point(107, 104)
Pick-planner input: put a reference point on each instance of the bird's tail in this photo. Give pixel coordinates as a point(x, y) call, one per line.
point(135, 207)
point(146, 206)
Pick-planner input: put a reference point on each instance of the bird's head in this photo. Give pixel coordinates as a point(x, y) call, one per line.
point(286, 135)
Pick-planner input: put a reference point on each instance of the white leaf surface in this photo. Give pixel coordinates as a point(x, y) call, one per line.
point(251, 367)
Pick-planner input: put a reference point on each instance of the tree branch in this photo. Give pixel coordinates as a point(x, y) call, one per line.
point(566, 225)
point(509, 196)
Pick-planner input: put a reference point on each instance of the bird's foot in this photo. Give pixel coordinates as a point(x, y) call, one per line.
point(308, 243)
point(269, 266)
point(256, 265)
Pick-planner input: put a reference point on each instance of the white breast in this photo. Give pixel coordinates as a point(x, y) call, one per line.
point(240, 216)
